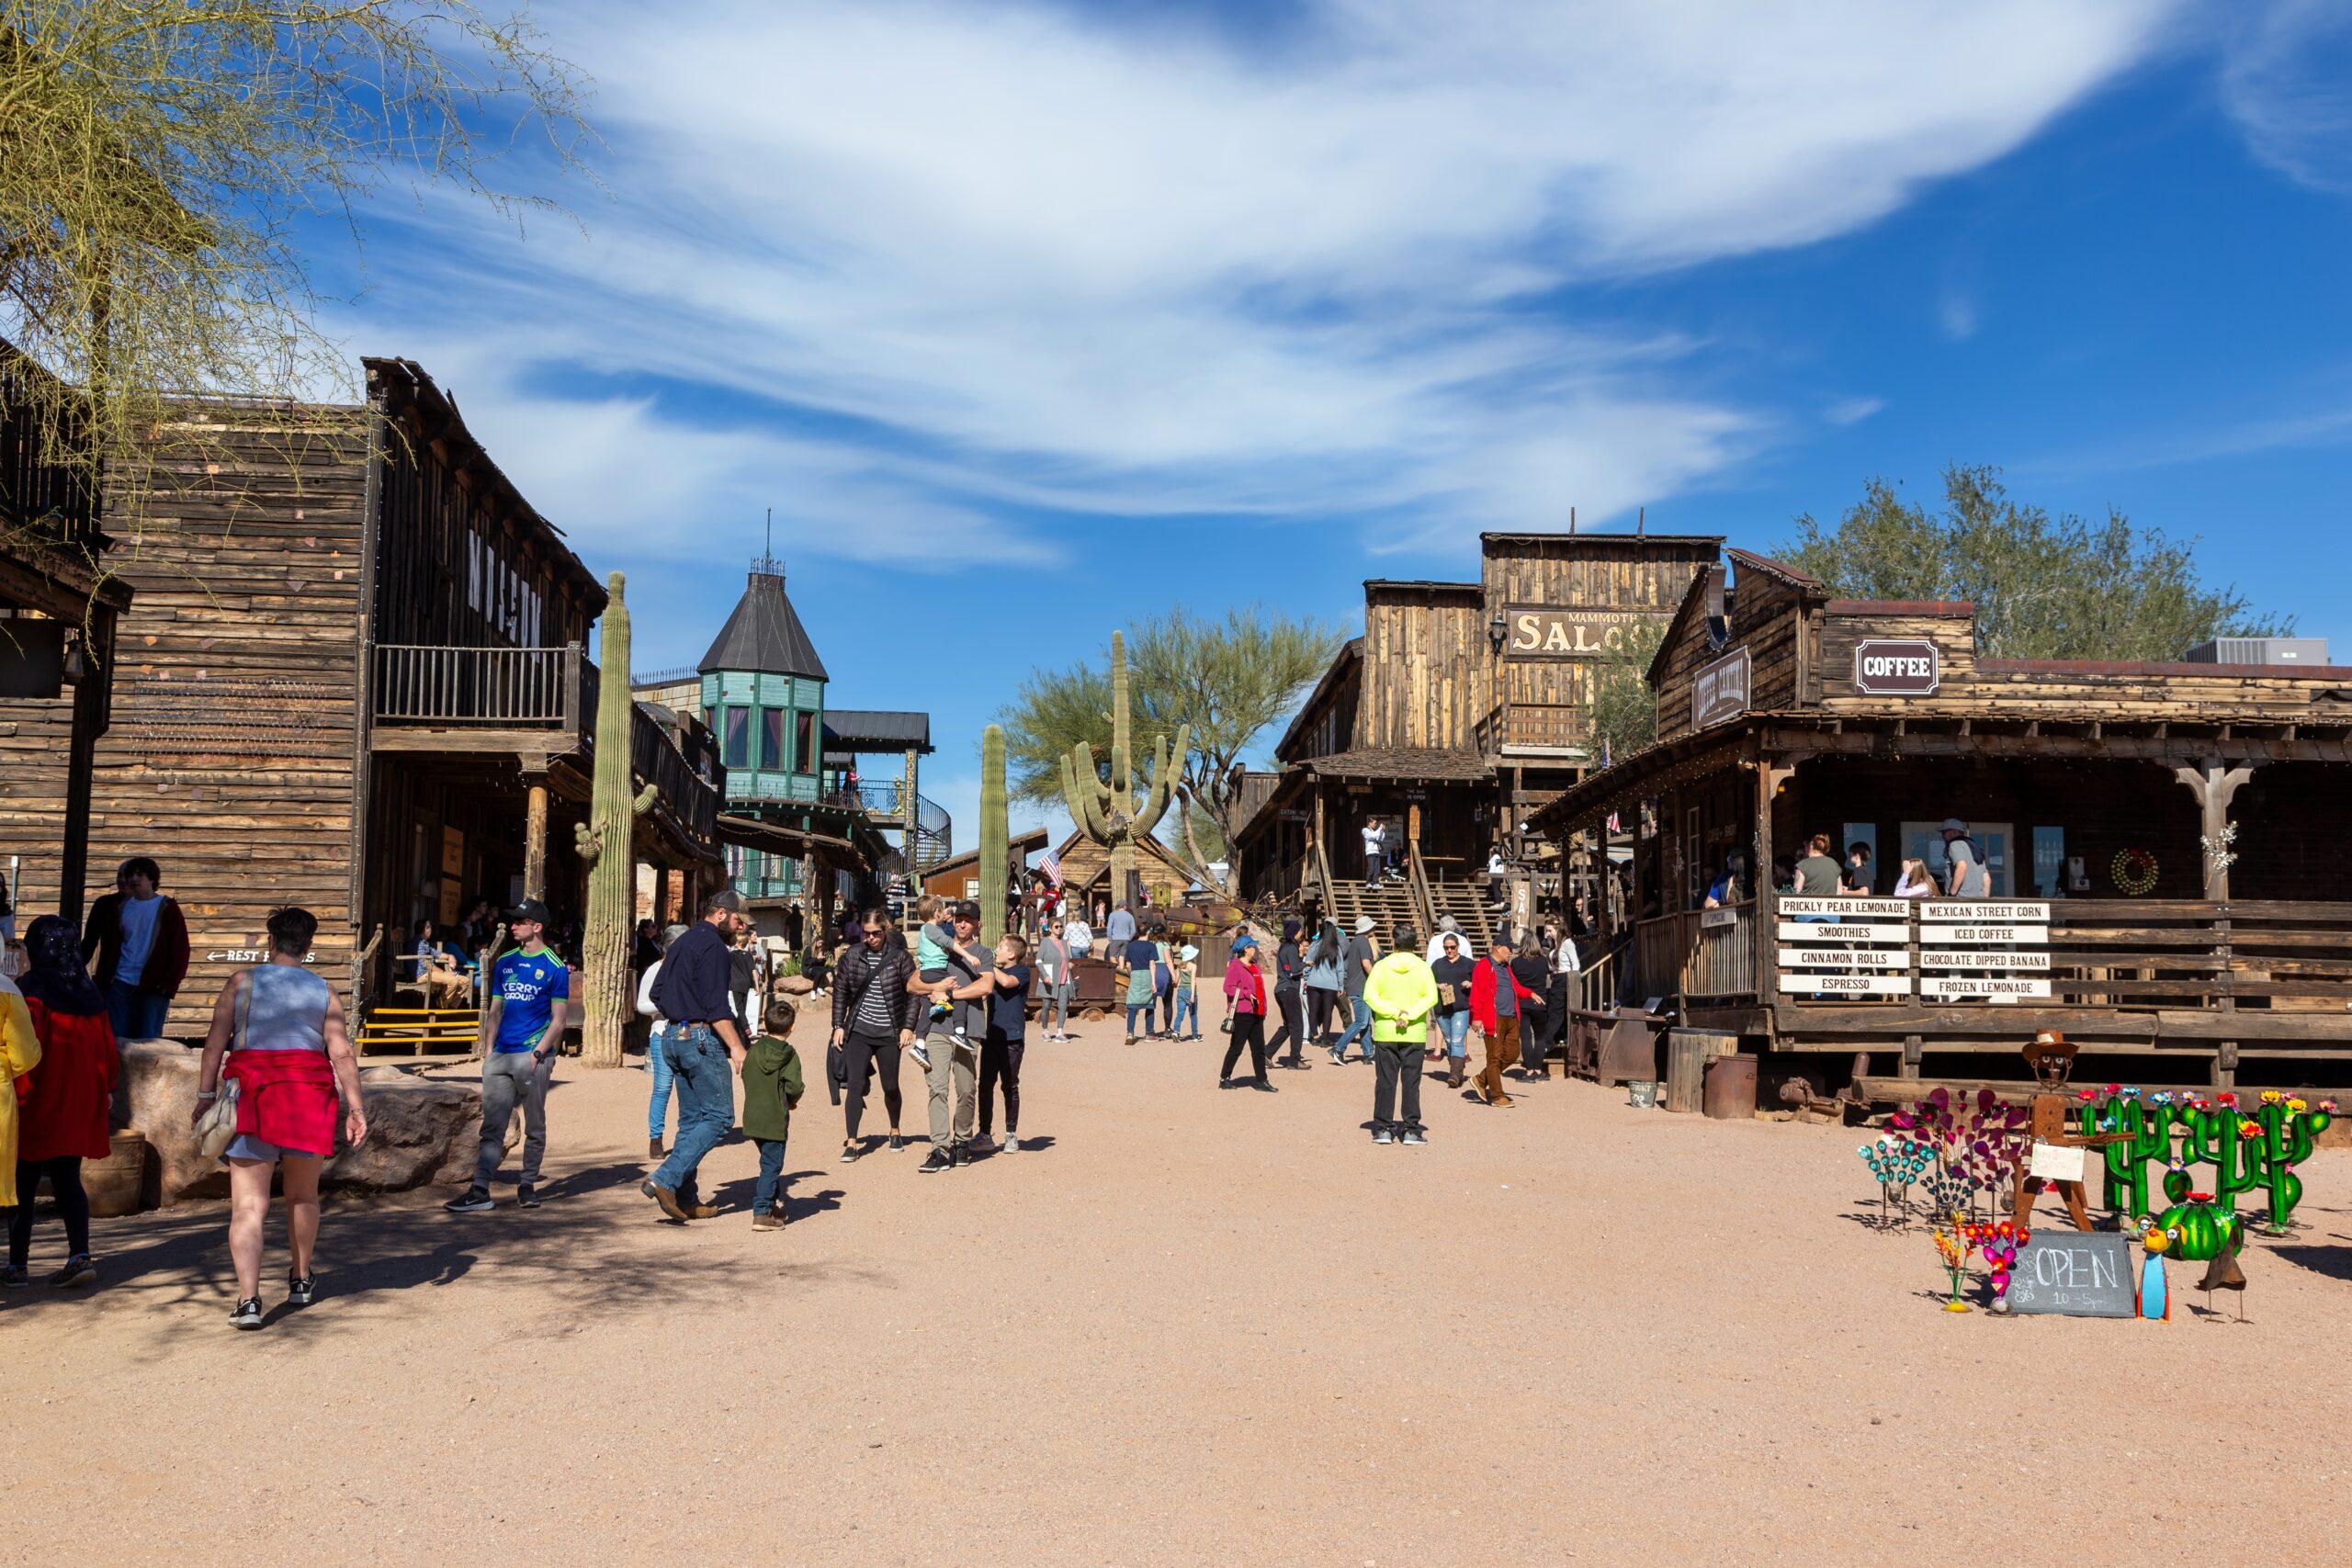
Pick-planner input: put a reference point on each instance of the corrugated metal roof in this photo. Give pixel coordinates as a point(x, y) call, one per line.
point(850, 730)
point(764, 634)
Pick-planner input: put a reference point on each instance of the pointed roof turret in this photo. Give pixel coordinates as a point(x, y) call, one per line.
point(764, 634)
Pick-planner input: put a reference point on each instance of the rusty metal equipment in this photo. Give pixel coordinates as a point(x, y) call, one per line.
point(1730, 1089)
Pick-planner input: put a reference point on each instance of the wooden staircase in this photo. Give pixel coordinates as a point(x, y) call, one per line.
point(1390, 906)
point(1467, 902)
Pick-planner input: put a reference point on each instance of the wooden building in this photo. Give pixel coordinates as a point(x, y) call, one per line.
point(1462, 707)
point(60, 607)
point(2162, 841)
point(355, 677)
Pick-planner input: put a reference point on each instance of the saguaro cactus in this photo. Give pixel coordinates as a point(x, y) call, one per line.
point(604, 845)
point(996, 834)
point(1109, 813)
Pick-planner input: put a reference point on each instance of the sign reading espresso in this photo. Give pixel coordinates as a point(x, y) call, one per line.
point(1898, 667)
point(1538, 632)
point(1720, 689)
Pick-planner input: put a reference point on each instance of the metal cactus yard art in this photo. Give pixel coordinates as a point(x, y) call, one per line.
point(1109, 812)
point(2250, 1150)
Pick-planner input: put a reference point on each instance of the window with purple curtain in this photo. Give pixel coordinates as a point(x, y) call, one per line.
point(772, 739)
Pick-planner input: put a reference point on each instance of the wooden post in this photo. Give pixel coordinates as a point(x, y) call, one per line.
point(2215, 788)
point(535, 837)
point(81, 764)
point(906, 814)
point(1769, 780)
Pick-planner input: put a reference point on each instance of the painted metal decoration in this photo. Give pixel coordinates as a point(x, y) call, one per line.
point(2253, 1150)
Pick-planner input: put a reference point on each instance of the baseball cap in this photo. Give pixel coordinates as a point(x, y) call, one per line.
point(528, 909)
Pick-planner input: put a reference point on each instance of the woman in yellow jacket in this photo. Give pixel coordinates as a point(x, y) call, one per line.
point(1401, 993)
point(19, 1054)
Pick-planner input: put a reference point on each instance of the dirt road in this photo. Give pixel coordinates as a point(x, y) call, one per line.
point(1187, 1326)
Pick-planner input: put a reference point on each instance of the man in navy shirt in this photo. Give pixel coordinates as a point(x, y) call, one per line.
point(521, 1026)
point(706, 1047)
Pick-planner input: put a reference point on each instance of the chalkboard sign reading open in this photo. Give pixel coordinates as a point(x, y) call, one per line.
point(2077, 1274)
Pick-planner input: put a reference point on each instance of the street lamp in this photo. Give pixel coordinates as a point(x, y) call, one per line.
point(1498, 629)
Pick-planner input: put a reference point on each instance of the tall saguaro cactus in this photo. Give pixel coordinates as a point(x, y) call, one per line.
point(996, 834)
point(603, 844)
point(1109, 813)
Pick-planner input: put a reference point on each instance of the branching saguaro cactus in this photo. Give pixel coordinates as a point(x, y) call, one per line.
point(1109, 813)
point(603, 844)
point(996, 834)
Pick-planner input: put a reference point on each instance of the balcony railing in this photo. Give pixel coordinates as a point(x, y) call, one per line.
point(881, 799)
point(1532, 729)
point(692, 799)
point(508, 688)
point(51, 502)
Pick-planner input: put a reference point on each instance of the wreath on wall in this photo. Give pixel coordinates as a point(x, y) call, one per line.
point(2134, 872)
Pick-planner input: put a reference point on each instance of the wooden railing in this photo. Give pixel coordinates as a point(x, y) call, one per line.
point(521, 688)
point(50, 501)
point(1417, 879)
point(1598, 985)
point(1546, 728)
point(1697, 952)
point(693, 801)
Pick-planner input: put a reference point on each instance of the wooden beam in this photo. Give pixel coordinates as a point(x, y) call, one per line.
point(535, 838)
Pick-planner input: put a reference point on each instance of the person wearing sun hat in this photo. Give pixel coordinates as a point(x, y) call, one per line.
point(1355, 964)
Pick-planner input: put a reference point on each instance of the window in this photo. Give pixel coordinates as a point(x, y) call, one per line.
point(804, 741)
point(735, 723)
point(772, 739)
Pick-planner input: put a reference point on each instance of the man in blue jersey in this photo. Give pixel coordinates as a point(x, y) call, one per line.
point(521, 1024)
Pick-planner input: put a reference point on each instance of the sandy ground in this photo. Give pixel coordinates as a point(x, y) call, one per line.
point(1189, 1326)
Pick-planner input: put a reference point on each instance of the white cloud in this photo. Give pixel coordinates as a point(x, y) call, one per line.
point(1853, 410)
point(996, 258)
point(2286, 81)
point(1956, 315)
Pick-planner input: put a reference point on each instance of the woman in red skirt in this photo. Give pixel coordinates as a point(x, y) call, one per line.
point(281, 1028)
point(66, 1102)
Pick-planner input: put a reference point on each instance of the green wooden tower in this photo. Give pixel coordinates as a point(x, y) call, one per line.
point(764, 696)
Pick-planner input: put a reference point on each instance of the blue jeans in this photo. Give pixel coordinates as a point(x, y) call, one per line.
point(1361, 1030)
point(1188, 1007)
point(135, 1014)
point(1135, 1010)
point(765, 1191)
point(705, 1083)
point(657, 1060)
point(1455, 1027)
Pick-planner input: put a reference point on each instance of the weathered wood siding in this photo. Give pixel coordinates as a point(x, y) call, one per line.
point(1427, 668)
point(236, 696)
point(1597, 572)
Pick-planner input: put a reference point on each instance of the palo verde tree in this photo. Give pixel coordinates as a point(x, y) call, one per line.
point(1624, 708)
point(2044, 587)
point(1228, 679)
point(157, 158)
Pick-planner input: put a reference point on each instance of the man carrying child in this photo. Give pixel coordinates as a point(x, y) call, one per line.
point(958, 978)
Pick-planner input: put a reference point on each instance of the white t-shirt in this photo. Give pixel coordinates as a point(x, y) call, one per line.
point(1437, 945)
point(1370, 839)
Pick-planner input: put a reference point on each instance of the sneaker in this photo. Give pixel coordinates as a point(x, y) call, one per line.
point(1338, 1060)
point(921, 1052)
point(768, 1220)
point(246, 1314)
point(853, 1153)
point(78, 1272)
point(1383, 1135)
point(1228, 1083)
point(475, 1201)
point(664, 1196)
point(939, 1160)
point(983, 1145)
point(897, 1143)
point(1413, 1135)
point(301, 1290)
point(1012, 1143)
point(1262, 1086)
point(15, 1276)
point(528, 1198)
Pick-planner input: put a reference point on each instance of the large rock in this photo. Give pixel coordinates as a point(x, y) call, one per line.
point(420, 1131)
point(795, 985)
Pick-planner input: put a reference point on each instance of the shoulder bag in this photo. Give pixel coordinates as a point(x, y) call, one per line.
point(217, 1128)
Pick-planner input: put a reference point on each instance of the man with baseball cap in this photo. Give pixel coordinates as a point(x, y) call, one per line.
point(521, 1028)
point(706, 1046)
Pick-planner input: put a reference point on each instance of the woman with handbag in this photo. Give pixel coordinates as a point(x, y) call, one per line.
point(66, 1099)
point(289, 1062)
point(1245, 1001)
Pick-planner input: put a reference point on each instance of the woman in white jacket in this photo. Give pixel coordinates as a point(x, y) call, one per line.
point(656, 1060)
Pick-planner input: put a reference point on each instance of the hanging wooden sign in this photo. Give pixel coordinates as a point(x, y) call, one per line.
point(1847, 908)
point(1719, 692)
point(1845, 957)
point(1960, 958)
point(1992, 987)
point(1979, 912)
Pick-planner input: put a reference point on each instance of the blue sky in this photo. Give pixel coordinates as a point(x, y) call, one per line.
point(1031, 318)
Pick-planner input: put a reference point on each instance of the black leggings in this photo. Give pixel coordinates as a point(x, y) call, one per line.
point(1320, 1005)
point(862, 1054)
point(64, 1175)
point(1249, 1028)
point(1293, 1028)
point(1000, 1062)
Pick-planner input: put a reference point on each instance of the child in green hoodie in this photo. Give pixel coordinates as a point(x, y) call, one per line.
point(772, 1086)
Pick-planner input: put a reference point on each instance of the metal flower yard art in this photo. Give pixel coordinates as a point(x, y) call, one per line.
point(1897, 1163)
point(1978, 1145)
point(1952, 1246)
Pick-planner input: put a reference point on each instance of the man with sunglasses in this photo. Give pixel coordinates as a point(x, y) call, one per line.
point(875, 1015)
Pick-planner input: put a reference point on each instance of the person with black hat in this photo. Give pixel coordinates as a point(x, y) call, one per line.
point(521, 1024)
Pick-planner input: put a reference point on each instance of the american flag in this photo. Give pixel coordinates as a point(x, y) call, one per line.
point(1052, 864)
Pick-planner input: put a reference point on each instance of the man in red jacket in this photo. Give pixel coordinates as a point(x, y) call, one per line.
point(139, 941)
point(1495, 998)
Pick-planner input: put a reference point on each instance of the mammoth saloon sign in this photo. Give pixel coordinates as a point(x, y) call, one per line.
point(1538, 631)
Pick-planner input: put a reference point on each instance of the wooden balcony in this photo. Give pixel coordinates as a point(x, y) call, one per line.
point(43, 501)
point(1551, 731)
point(527, 700)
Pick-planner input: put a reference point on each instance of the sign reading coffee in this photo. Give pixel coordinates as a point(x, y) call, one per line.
point(1720, 689)
point(1537, 632)
point(1898, 667)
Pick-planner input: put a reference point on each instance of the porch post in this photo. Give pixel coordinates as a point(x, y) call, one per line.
point(535, 837)
point(1769, 780)
point(81, 764)
point(906, 814)
point(2215, 788)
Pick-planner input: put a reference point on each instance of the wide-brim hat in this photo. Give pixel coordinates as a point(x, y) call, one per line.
point(1366, 925)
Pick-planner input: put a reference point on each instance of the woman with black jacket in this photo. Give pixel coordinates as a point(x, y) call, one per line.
point(1533, 967)
point(874, 1016)
point(1290, 970)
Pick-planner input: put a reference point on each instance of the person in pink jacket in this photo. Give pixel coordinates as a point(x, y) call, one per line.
point(1245, 998)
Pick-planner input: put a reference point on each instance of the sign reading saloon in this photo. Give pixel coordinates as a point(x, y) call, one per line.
point(1538, 632)
point(1720, 689)
point(1898, 667)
